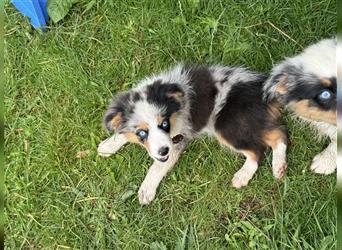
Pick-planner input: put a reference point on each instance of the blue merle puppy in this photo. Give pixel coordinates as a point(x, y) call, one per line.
point(166, 111)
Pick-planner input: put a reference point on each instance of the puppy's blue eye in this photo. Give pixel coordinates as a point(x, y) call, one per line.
point(325, 95)
point(142, 134)
point(165, 124)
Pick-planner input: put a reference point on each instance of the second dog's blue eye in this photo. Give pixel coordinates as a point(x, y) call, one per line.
point(142, 134)
point(325, 95)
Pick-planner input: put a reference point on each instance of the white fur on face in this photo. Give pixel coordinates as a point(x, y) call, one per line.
point(158, 139)
point(147, 113)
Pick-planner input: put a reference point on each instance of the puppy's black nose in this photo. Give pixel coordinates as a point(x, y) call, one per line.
point(163, 151)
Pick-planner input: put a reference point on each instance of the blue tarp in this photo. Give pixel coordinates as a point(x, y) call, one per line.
point(33, 9)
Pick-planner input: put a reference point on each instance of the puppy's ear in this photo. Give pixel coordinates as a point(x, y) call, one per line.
point(276, 87)
point(175, 92)
point(114, 116)
point(162, 93)
point(112, 119)
point(281, 81)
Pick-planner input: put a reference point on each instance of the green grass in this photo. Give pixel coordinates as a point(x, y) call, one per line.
point(58, 85)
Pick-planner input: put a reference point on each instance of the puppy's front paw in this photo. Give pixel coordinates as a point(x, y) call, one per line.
point(323, 164)
point(146, 193)
point(241, 178)
point(107, 147)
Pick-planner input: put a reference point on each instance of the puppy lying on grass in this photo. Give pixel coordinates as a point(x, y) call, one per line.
point(164, 112)
point(306, 85)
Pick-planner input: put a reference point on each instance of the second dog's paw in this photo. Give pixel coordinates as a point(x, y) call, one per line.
point(241, 178)
point(323, 164)
point(279, 171)
point(146, 193)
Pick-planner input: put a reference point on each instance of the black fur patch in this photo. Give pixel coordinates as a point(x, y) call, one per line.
point(157, 93)
point(120, 104)
point(245, 118)
point(203, 99)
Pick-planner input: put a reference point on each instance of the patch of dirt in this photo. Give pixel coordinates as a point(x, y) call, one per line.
point(249, 205)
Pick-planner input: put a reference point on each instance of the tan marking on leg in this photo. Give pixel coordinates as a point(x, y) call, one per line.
point(276, 139)
point(250, 154)
point(303, 109)
point(272, 138)
point(246, 172)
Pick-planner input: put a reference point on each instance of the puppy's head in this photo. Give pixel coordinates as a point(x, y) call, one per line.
point(147, 116)
point(306, 84)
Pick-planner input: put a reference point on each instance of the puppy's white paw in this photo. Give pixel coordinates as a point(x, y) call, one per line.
point(107, 147)
point(241, 178)
point(279, 170)
point(323, 164)
point(146, 193)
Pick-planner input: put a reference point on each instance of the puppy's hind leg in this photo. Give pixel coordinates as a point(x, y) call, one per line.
point(243, 176)
point(111, 145)
point(276, 139)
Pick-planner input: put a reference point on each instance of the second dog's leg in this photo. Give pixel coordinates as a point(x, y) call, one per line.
point(155, 175)
point(242, 177)
point(112, 144)
point(325, 162)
